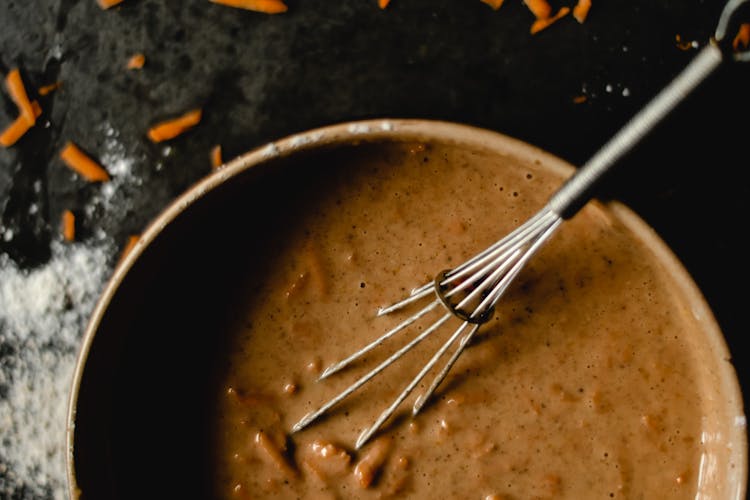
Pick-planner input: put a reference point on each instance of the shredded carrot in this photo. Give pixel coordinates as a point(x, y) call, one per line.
point(216, 161)
point(581, 10)
point(495, 4)
point(68, 225)
point(20, 126)
point(540, 8)
point(129, 245)
point(137, 61)
point(743, 37)
point(383, 3)
point(579, 99)
point(683, 45)
point(106, 4)
point(81, 163)
point(18, 93)
point(172, 128)
point(47, 89)
point(265, 6)
point(540, 24)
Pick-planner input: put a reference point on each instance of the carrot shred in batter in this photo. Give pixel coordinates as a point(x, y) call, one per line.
point(17, 92)
point(265, 6)
point(541, 24)
point(581, 10)
point(216, 160)
point(106, 4)
point(170, 129)
point(81, 163)
point(68, 225)
point(13, 132)
point(383, 3)
point(742, 40)
point(137, 61)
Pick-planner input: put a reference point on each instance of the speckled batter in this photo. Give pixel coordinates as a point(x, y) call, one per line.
point(581, 386)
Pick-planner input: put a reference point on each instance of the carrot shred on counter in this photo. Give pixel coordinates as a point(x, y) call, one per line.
point(216, 160)
point(265, 6)
point(540, 8)
point(742, 40)
point(48, 89)
point(136, 61)
point(579, 99)
point(170, 129)
point(129, 245)
point(106, 4)
point(383, 3)
point(18, 127)
point(68, 225)
point(683, 45)
point(540, 24)
point(18, 93)
point(81, 163)
point(581, 10)
point(495, 4)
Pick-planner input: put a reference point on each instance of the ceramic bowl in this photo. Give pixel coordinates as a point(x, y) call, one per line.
point(145, 371)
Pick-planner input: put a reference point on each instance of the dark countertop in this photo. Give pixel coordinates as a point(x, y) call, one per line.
point(260, 77)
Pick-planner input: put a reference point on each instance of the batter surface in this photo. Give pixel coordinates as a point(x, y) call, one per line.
point(581, 386)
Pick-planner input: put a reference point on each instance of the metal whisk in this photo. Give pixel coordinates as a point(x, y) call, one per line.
point(471, 290)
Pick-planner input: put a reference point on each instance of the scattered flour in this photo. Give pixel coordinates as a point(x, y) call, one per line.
point(43, 313)
point(120, 168)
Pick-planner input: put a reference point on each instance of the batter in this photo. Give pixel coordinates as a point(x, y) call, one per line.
point(583, 384)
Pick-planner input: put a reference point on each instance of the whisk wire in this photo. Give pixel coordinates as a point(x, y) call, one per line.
point(487, 305)
point(483, 279)
point(336, 367)
point(386, 414)
point(310, 417)
point(497, 250)
point(425, 396)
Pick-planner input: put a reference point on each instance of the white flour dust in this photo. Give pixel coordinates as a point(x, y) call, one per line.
point(112, 198)
point(43, 313)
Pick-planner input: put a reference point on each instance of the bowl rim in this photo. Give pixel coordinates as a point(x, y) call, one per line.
point(395, 130)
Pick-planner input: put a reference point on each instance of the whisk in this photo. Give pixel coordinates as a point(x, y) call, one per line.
point(471, 290)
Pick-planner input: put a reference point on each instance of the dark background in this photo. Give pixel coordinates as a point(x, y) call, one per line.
point(260, 77)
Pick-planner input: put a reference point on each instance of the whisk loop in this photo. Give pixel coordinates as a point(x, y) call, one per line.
point(471, 290)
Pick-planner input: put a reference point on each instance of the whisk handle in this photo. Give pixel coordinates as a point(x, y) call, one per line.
point(579, 188)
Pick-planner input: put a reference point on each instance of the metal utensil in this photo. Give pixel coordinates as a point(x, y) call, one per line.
point(471, 290)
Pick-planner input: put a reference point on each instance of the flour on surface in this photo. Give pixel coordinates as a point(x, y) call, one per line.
point(43, 313)
point(119, 165)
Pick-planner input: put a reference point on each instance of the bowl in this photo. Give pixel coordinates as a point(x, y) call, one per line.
point(144, 389)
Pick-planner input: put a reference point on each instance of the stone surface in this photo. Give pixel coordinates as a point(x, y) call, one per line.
point(260, 77)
